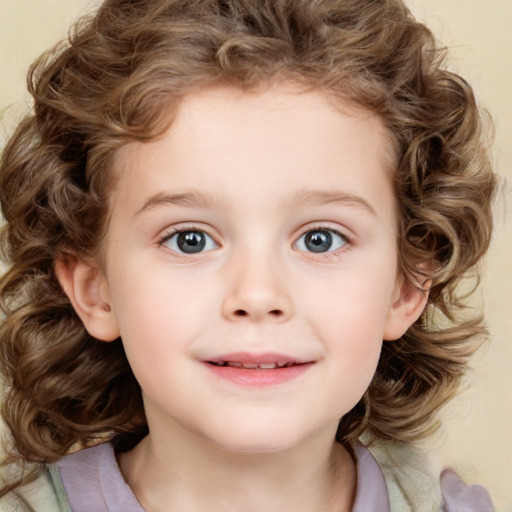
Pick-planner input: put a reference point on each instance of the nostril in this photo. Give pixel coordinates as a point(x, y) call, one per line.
point(243, 312)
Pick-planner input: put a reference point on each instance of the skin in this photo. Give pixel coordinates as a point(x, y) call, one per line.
point(256, 172)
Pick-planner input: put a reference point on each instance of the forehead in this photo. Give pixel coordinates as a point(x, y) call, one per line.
point(224, 140)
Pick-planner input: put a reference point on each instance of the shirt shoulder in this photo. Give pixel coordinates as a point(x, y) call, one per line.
point(93, 476)
point(460, 497)
point(44, 494)
point(415, 485)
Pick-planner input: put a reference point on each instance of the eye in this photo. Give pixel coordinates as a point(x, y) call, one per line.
point(190, 241)
point(321, 240)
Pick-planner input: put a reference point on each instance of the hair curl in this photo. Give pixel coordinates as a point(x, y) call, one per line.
point(116, 79)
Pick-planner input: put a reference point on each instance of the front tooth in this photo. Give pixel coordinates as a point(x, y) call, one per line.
point(267, 366)
point(235, 364)
point(221, 363)
point(283, 363)
point(250, 365)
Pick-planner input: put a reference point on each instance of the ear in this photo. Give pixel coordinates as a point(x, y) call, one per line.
point(407, 304)
point(87, 289)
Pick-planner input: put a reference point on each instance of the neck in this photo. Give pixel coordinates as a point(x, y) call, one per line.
point(192, 475)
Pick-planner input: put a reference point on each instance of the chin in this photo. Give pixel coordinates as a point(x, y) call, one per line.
point(256, 448)
point(267, 439)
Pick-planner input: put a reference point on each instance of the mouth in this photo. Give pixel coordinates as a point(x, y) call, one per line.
point(258, 370)
point(254, 366)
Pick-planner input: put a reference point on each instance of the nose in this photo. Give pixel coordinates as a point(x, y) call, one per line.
point(256, 292)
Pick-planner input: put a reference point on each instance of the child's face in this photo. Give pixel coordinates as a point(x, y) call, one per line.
point(260, 229)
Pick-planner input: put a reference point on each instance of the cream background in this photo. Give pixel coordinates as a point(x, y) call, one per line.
point(477, 437)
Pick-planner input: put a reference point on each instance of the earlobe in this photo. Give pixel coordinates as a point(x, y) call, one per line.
point(407, 305)
point(87, 289)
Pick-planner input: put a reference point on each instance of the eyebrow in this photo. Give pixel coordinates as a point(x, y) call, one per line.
point(313, 197)
point(189, 199)
point(321, 197)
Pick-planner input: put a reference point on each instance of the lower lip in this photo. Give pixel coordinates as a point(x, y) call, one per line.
point(258, 377)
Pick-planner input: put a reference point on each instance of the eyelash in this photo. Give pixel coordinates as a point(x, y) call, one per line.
point(328, 255)
point(176, 232)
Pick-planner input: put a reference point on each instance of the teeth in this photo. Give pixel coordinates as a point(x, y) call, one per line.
point(254, 366)
point(268, 366)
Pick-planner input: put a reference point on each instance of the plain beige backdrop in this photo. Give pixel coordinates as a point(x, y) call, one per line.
point(476, 439)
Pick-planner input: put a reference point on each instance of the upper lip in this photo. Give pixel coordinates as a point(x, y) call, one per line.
point(255, 358)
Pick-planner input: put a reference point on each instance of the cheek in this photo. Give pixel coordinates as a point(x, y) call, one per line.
point(159, 318)
point(351, 304)
point(152, 298)
point(154, 332)
point(349, 321)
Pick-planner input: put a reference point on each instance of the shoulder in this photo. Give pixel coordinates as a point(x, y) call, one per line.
point(47, 492)
point(44, 494)
point(74, 480)
point(415, 484)
point(459, 497)
point(93, 476)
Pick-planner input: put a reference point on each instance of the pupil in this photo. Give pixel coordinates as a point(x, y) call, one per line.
point(191, 242)
point(318, 241)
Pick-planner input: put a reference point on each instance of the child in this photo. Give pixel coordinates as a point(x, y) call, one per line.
point(234, 231)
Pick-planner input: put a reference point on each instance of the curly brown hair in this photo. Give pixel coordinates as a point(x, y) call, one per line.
point(116, 79)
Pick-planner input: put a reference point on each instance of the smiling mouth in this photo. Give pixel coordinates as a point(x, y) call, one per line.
point(261, 370)
point(254, 366)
